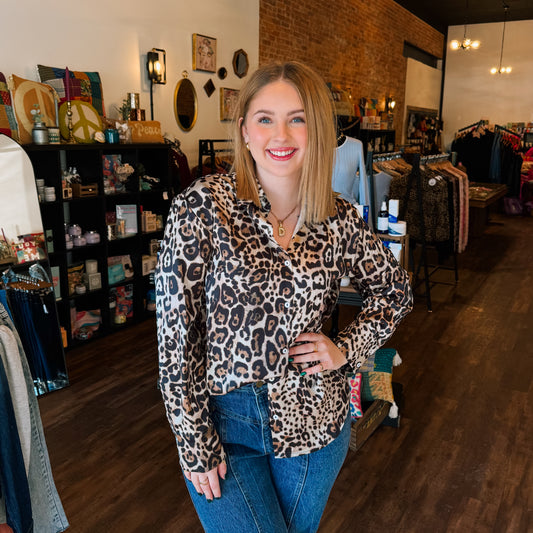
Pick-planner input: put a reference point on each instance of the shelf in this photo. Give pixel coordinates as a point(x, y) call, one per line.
point(89, 212)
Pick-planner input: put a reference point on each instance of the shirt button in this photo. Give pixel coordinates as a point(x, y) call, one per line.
point(284, 351)
point(358, 365)
point(287, 263)
point(275, 417)
point(287, 304)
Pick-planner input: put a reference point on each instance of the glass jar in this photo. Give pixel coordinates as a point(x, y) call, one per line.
point(74, 230)
point(78, 240)
point(92, 237)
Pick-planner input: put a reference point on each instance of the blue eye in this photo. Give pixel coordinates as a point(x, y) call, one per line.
point(264, 120)
point(299, 120)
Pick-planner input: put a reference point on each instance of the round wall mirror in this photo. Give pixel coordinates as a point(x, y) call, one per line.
point(185, 103)
point(240, 63)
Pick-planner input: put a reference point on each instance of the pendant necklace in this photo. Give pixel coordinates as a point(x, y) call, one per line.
point(281, 229)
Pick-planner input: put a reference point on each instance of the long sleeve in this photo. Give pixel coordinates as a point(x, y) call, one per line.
point(387, 296)
point(363, 194)
point(181, 323)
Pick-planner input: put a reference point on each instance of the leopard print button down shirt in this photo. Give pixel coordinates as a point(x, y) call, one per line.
point(231, 301)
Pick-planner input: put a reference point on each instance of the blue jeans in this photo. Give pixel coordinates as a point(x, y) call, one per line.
point(47, 510)
point(13, 481)
point(262, 493)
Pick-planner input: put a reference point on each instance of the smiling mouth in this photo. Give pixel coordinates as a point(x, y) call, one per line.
point(282, 155)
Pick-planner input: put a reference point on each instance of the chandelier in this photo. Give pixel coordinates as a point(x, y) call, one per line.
point(466, 43)
point(501, 69)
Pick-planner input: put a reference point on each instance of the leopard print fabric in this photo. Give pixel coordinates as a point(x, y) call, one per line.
point(231, 301)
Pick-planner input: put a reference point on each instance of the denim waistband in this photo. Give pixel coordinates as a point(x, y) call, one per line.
point(249, 402)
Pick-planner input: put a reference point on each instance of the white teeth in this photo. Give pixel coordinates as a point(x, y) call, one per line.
point(281, 153)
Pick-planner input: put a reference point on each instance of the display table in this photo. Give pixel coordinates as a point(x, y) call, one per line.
point(481, 197)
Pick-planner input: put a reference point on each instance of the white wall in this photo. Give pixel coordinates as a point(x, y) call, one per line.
point(113, 37)
point(472, 93)
point(422, 88)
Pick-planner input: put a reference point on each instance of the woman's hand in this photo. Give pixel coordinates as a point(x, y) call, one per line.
point(208, 483)
point(318, 350)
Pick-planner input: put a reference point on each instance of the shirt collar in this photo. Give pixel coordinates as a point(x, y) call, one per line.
point(263, 200)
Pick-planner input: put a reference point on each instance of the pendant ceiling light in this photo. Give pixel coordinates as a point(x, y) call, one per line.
point(466, 43)
point(501, 69)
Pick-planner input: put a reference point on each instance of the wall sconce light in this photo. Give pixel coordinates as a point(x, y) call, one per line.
point(390, 104)
point(500, 69)
point(156, 64)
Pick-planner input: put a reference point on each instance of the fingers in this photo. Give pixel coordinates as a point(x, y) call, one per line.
point(310, 347)
point(318, 350)
point(208, 483)
point(205, 485)
point(222, 470)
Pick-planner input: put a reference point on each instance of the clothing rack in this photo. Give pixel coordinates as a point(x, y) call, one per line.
point(415, 179)
point(31, 302)
point(475, 124)
point(389, 156)
point(510, 132)
point(415, 175)
point(206, 147)
point(434, 158)
point(370, 159)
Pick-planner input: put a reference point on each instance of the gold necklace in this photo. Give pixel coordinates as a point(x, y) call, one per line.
point(281, 229)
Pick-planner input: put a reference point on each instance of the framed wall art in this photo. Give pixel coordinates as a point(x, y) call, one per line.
point(228, 100)
point(204, 53)
point(209, 87)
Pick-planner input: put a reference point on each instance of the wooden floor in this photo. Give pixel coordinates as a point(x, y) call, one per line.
point(460, 462)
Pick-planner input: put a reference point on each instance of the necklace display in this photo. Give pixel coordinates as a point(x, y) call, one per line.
point(281, 228)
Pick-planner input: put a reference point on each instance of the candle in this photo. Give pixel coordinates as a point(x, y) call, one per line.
point(56, 104)
point(67, 84)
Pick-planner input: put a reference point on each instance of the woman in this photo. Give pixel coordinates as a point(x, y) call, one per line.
point(248, 272)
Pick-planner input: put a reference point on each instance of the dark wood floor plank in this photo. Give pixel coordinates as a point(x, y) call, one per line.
point(460, 462)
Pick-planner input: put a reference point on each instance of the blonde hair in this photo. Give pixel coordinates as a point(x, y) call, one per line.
point(315, 195)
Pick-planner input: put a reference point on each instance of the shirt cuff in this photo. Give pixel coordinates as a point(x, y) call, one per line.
point(200, 453)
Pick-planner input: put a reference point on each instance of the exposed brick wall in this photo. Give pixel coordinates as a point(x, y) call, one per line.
point(356, 44)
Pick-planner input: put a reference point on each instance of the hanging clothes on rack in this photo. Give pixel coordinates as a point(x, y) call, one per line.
point(179, 166)
point(13, 480)
point(24, 462)
point(473, 145)
point(507, 159)
point(430, 204)
point(32, 305)
point(382, 169)
point(490, 155)
point(459, 199)
point(435, 206)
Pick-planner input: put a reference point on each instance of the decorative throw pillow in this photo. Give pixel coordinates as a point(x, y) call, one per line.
point(356, 410)
point(85, 121)
point(84, 86)
point(376, 375)
point(8, 123)
point(26, 94)
point(377, 386)
point(382, 360)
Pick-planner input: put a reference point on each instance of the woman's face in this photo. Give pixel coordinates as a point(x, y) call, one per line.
point(276, 131)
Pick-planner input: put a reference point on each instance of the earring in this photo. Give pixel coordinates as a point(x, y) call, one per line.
point(247, 146)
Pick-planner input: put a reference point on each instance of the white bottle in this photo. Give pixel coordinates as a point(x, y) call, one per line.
point(383, 218)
